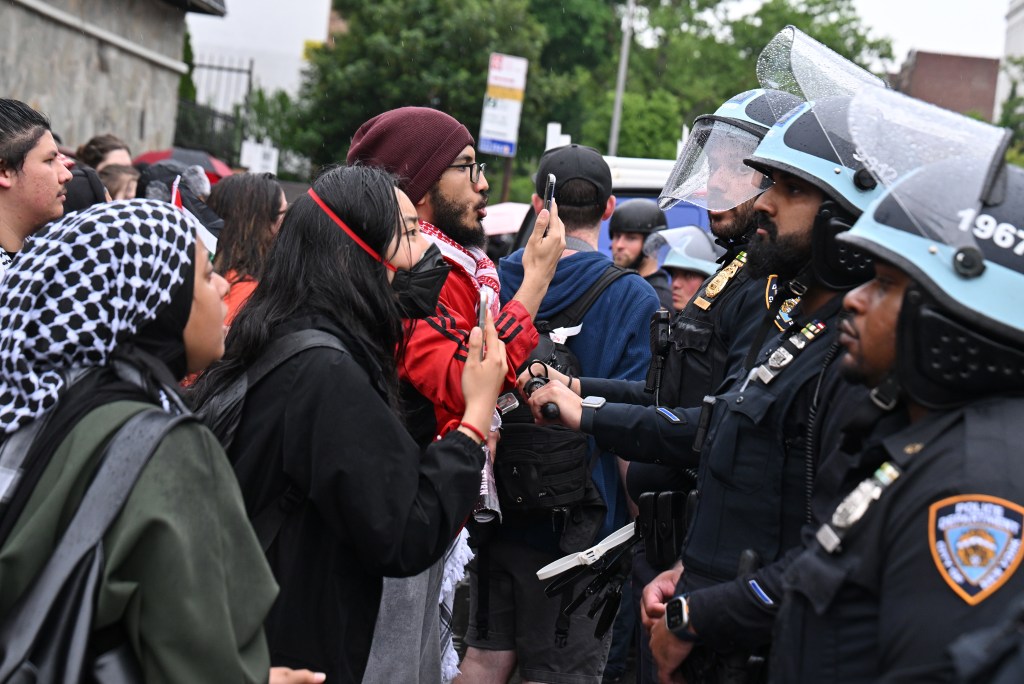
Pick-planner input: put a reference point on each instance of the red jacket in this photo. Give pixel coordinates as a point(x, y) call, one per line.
point(436, 350)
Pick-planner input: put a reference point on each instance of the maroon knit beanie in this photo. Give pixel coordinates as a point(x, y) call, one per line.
point(415, 143)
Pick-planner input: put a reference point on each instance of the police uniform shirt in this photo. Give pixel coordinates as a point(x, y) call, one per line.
point(937, 554)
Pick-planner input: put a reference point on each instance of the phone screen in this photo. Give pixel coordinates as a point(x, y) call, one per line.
point(481, 314)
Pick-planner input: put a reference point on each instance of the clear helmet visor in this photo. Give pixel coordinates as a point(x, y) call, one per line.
point(710, 172)
point(939, 167)
point(796, 64)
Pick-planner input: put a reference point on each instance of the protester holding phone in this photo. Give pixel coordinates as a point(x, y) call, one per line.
point(322, 433)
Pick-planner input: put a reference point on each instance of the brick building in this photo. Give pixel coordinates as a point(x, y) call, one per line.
point(955, 82)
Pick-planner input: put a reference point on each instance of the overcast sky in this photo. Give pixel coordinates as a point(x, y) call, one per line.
point(964, 27)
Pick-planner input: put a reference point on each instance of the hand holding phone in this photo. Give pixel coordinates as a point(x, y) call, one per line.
point(549, 193)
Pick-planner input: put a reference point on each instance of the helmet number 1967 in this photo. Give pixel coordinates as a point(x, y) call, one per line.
point(986, 227)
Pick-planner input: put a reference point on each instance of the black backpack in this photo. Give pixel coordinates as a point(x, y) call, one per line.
point(223, 412)
point(543, 469)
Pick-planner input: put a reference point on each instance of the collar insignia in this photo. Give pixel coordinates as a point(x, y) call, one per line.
point(976, 543)
point(719, 281)
point(784, 318)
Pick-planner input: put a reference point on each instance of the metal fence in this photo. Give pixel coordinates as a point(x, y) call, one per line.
point(216, 123)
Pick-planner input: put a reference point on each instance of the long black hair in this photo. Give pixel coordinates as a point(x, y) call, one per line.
point(248, 203)
point(313, 267)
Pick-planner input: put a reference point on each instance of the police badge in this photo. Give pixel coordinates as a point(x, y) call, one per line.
point(976, 543)
point(719, 282)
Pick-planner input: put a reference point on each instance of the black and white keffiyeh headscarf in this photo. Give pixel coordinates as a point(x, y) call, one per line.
point(84, 286)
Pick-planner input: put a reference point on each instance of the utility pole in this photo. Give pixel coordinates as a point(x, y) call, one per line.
point(620, 81)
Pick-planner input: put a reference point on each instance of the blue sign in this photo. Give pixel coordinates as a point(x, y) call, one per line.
point(500, 148)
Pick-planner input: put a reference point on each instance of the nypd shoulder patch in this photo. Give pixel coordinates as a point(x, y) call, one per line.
point(976, 543)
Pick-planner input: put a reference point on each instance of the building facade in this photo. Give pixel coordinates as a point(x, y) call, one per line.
point(99, 66)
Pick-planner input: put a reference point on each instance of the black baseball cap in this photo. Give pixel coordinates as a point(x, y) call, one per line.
point(573, 162)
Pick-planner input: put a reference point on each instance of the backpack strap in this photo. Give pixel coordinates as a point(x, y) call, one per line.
point(573, 314)
point(287, 346)
point(268, 522)
point(123, 460)
point(222, 411)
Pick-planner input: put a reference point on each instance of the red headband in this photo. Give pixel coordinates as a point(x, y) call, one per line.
point(348, 231)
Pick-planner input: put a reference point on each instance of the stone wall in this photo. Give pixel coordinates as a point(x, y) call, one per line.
point(87, 86)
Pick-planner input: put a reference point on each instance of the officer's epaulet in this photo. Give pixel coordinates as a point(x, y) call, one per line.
point(720, 281)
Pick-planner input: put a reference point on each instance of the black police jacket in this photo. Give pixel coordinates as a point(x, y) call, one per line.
point(753, 480)
point(936, 555)
point(703, 341)
point(706, 345)
point(740, 614)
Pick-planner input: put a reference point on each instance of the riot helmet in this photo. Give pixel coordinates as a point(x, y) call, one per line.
point(637, 216)
point(952, 220)
point(709, 172)
point(688, 248)
point(812, 141)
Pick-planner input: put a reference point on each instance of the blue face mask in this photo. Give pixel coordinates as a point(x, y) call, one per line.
point(419, 288)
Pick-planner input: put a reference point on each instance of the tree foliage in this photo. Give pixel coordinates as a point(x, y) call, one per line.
point(1012, 113)
point(687, 57)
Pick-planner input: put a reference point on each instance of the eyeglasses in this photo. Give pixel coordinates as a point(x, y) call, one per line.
point(476, 169)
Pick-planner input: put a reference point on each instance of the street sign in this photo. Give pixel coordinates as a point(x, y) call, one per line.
point(259, 156)
point(503, 105)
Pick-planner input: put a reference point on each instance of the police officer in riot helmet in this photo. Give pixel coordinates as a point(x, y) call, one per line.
point(628, 228)
point(756, 438)
point(752, 436)
point(922, 541)
point(715, 329)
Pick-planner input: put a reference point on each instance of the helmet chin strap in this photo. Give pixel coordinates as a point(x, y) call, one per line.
point(886, 395)
point(884, 399)
point(802, 281)
point(807, 277)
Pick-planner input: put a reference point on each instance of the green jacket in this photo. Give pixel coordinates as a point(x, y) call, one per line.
point(184, 575)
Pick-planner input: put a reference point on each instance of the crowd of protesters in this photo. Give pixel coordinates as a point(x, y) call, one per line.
point(245, 439)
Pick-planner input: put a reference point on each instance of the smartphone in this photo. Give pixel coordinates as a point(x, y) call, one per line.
point(549, 193)
point(481, 314)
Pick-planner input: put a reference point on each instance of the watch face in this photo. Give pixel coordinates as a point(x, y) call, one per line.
point(675, 614)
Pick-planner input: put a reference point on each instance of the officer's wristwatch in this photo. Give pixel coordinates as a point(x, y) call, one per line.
point(590, 405)
point(677, 618)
